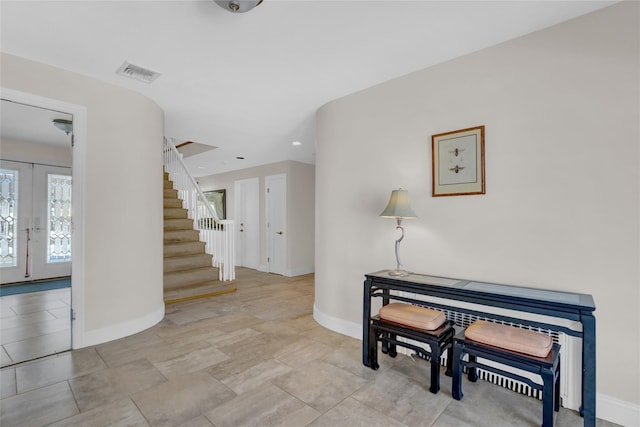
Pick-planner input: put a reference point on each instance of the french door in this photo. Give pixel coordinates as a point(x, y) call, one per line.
point(35, 221)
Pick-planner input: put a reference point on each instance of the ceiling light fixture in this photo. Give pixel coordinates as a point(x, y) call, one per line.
point(296, 143)
point(238, 6)
point(65, 126)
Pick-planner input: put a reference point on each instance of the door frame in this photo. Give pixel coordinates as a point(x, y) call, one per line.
point(78, 174)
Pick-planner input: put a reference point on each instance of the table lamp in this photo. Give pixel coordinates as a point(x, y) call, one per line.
point(399, 209)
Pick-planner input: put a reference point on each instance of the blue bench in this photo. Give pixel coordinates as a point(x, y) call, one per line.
point(387, 333)
point(547, 367)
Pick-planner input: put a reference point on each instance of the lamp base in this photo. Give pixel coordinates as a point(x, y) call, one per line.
point(399, 273)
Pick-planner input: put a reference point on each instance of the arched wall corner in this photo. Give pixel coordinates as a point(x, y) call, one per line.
point(117, 288)
point(78, 170)
point(123, 329)
point(336, 324)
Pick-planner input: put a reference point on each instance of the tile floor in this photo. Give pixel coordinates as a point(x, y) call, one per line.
point(33, 325)
point(252, 358)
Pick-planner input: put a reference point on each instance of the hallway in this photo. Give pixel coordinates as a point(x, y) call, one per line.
point(254, 357)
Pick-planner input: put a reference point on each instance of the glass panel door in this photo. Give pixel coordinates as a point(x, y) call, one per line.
point(51, 222)
point(35, 222)
point(15, 220)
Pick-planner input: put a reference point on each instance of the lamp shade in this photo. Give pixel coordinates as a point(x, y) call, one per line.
point(398, 206)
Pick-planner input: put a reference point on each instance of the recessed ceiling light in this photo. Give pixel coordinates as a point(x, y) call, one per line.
point(296, 143)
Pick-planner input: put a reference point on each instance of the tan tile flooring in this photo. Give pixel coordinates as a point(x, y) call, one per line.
point(252, 358)
point(33, 325)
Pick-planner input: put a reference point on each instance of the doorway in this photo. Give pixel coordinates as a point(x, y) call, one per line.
point(247, 212)
point(35, 227)
point(35, 235)
point(276, 217)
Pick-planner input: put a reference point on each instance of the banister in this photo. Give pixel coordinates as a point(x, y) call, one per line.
point(218, 234)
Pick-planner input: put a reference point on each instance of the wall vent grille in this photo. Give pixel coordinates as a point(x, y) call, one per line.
point(137, 72)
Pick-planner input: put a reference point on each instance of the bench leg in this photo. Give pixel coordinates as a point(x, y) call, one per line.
point(456, 381)
point(393, 351)
point(473, 372)
point(435, 368)
point(449, 370)
point(374, 335)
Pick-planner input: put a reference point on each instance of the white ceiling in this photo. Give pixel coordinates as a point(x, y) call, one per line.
point(19, 122)
point(251, 83)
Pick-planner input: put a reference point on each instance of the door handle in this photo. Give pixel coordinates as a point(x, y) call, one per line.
point(279, 232)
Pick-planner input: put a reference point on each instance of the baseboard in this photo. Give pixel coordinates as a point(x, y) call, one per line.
point(300, 271)
point(335, 324)
point(617, 411)
point(124, 329)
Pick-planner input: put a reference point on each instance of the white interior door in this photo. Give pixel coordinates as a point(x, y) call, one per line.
point(276, 216)
point(35, 214)
point(247, 213)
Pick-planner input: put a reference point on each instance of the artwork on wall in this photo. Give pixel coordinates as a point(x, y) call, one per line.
point(457, 162)
point(217, 198)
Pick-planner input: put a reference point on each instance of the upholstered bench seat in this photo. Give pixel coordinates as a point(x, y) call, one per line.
point(413, 316)
point(413, 323)
point(510, 338)
point(510, 346)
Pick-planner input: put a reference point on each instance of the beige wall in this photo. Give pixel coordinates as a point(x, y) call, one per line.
point(26, 151)
point(122, 200)
point(300, 208)
point(561, 211)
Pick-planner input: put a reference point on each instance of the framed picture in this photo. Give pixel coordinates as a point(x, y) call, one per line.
point(217, 198)
point(457, 162)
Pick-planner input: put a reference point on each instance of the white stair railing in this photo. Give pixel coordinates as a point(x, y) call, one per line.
point(218, 234)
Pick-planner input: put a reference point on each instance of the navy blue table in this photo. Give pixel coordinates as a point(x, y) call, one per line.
point(565, 305)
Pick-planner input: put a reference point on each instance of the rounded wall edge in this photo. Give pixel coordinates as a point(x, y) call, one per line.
point(124, 329)
point(335, 324)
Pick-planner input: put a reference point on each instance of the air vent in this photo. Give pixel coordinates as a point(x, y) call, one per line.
point(136, 72)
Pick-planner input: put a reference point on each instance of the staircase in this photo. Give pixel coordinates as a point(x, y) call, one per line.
point(188, 270)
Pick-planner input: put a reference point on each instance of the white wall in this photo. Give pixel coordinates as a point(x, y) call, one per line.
point(123, 196)
point(25, 151)
point(300, 208)
point(561, 211)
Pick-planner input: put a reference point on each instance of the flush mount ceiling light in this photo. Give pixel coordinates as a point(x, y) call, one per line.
point(65, 126)
point(238, 6)
point(296, 143)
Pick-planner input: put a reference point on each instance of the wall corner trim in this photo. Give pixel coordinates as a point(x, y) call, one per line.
point(123, 329)
point(335, 324)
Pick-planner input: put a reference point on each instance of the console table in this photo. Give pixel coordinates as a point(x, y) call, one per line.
point(564, 305)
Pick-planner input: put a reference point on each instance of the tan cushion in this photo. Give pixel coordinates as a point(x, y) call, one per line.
point(412, 315)
point(510, 338)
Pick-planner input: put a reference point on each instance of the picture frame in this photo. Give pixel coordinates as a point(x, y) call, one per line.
point(218, 199)
point(457, 162)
